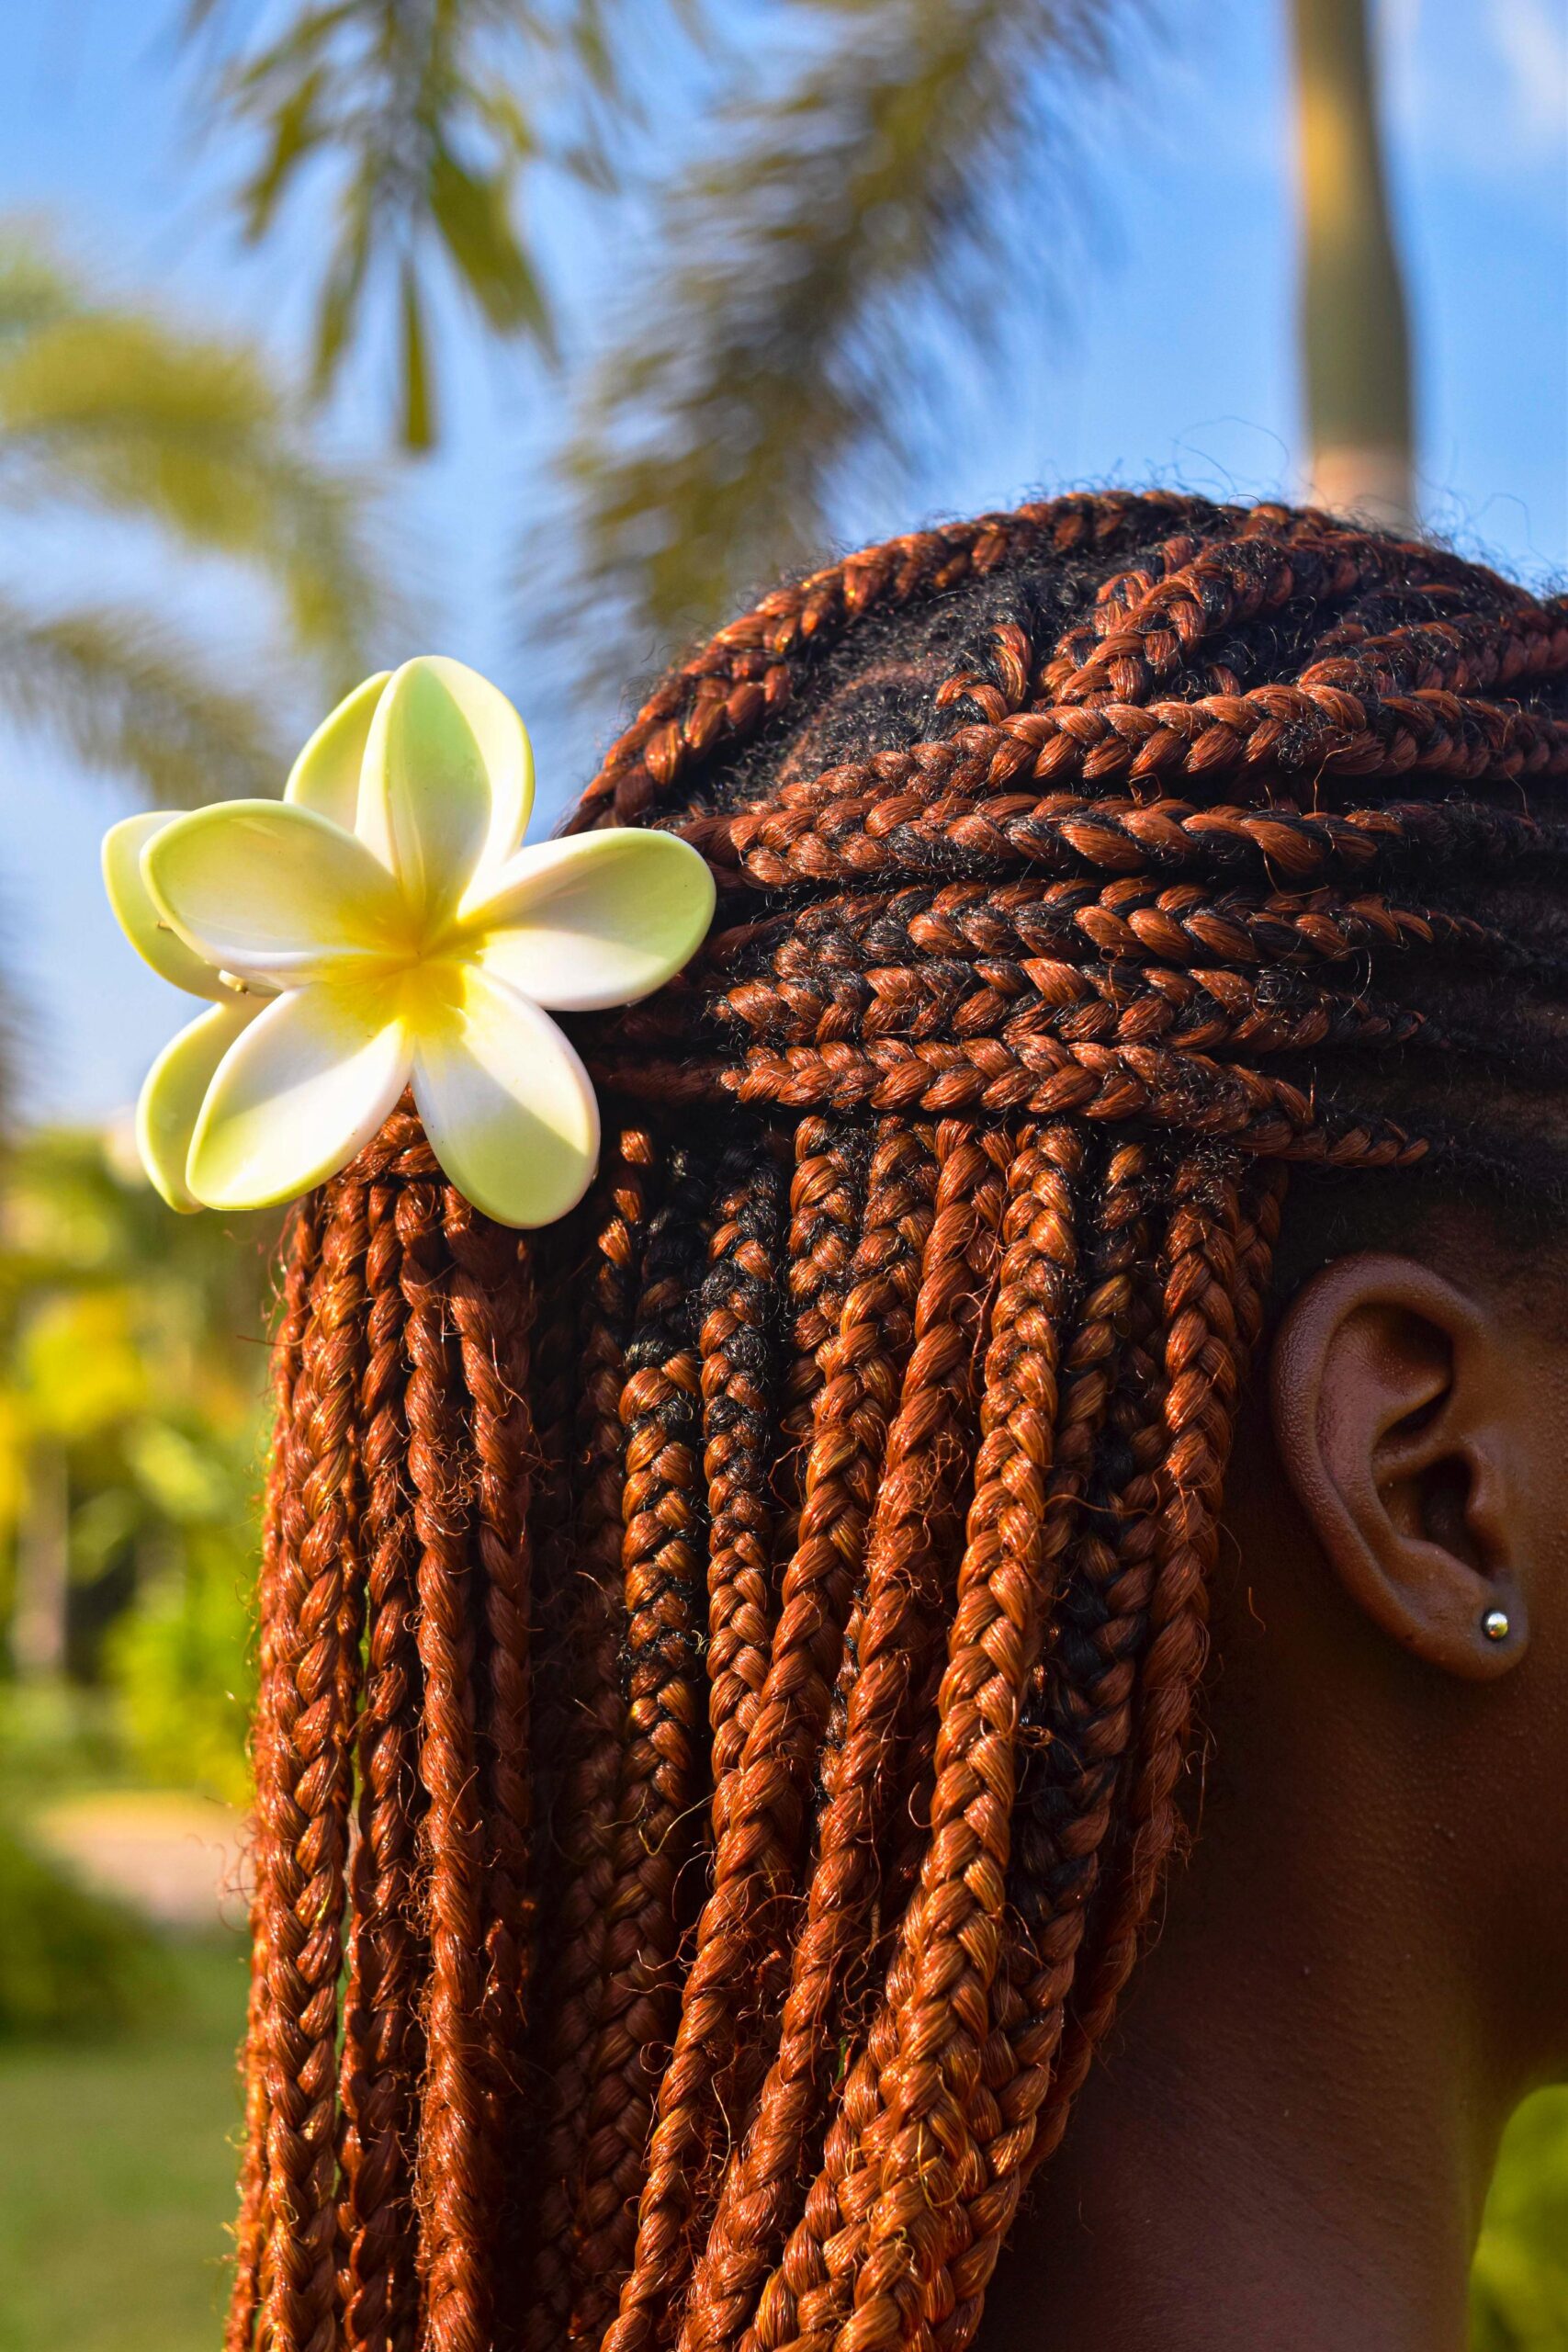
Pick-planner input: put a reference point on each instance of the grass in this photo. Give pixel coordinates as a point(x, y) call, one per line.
point(116, 2168)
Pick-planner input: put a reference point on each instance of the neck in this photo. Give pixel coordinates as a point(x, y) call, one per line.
point(1289, 2139)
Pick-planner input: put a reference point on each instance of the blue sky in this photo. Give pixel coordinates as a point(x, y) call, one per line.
point(1169, 360)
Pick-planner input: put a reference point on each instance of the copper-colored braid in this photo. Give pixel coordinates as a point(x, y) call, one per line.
point(1214, 1301)
point(1078, 1716)
point(1026, 2017)
point(738, 1377)
point(748, 672)
point(1084, 1697)
point(785, 1583)
point(1189, 1012)
point(757, 1848)
point(839, 942)
point(556, 1370)
point(305, 1795)
point(491, 1305)
point(1150, 621)
point(939, 811)
point(557, 1722)
point(912, 1520)
point(751, 671)
point(811, 2294)
point(382, 2041)
point(1205, 1350)
point(928, 2156)
point(826, 1199)
point(251, 2230)
point(457, 2187)
point(586, 1810)
point(663, 1519)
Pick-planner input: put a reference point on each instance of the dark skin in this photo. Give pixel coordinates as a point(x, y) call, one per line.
point(1362, 1968)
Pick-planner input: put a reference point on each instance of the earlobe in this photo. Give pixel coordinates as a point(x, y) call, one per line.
point(1390, 1409)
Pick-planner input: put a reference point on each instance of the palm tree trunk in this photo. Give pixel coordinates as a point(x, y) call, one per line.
point(1355, 338)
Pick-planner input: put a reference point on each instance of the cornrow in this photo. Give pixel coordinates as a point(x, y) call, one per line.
point(748, 674)
point(1196, 1012)
point(758, 1625)
point(1129, 920)
point(916, 816)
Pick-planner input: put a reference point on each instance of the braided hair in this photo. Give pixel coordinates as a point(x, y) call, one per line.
point(729, 1660)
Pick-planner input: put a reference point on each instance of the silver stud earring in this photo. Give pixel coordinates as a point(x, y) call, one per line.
point(1496, 1626)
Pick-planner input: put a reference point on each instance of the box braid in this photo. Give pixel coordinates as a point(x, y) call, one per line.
point(757, 1626)
point(663, 1542)
point(381, 2054)
point(576, 1877)
point(251, 2233)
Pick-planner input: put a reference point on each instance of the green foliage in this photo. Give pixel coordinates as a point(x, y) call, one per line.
point(70, 1965)
point(181, 1660)
point(111, 410)
point(1519, 2283)
point(425, 120)
point(132, 1391)
point(130, 704)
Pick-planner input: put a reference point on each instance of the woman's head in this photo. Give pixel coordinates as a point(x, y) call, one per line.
point(765, 1615)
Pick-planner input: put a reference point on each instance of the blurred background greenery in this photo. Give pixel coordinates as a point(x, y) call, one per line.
point(544, 329)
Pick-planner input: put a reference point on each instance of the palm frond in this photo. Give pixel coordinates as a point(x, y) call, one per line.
point(135, 702)
point(138, 419)
point(416, 105)
point(916, 157)
point(34, 292)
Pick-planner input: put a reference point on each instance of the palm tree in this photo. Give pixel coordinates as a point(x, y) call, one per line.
point(108, 411)
point(1355, 339)
point(425, 115)
point(912, 168)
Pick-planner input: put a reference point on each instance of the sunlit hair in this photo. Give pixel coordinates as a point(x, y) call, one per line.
point(729, 1660)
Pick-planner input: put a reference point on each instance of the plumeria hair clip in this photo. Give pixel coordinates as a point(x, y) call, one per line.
point(381, 927)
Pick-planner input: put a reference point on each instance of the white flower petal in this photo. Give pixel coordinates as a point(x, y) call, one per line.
point(509, 1108)
point(149, 931)
point(325, 776)
point(176, 1088)
point(273, 892)
point(448, 781)
point(602, 918)
point(306, 1087)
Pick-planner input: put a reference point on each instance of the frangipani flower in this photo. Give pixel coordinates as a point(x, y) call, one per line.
point(379, 927)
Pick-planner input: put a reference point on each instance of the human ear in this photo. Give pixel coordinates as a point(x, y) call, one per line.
point(1390, 1412)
